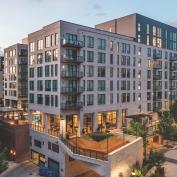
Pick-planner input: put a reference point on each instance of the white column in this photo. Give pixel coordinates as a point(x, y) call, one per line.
point(95, 121)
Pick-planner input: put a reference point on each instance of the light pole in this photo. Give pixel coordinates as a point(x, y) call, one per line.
point(107, 136)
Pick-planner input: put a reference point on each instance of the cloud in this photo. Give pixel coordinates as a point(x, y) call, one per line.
point(100, 14)
point(96, 6)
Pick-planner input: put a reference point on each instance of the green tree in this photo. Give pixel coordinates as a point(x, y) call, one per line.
point(165, 123)
point(173, 111)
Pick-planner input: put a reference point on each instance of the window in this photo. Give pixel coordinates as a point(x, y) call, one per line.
point(101, 57)
point(90, 71)
point(56, 69)
point(47, 41)
point(39, 58)
point(90, 100)
point(101, 85)
point(32, 47)
point(90, 85)
point(55, 85)
point(39, 72)
point(31, 85)
point(48, 56)
point(101, 99)
point(139, 27)
point(37, 143)
point(90, 42)
point(31, 98)
point(56, 101)
point(101, 44)
point(47, 71)
point(39, 85)
point(55, 54)
point(101, 71)
point(47, 85)
point(39, 99)
point(53, 147)
point(31, 60)
point(111, 59)
point(90, 56)
point(47, 100)
point(111, 98)
point(31, 72)
point(40, 44)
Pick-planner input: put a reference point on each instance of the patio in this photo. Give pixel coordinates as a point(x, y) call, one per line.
point(114, 142)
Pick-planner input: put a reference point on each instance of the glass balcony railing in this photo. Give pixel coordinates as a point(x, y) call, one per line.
point(72, 43)
point(173, 77)
point(72, 74)
point(71, 106)
point(72, 59)
point(71, 90)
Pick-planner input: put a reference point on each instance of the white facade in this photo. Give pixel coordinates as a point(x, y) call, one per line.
point(75, 90)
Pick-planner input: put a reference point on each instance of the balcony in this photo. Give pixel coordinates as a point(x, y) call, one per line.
point(157, 56)
point(55, 133)
point(37, 128)
point(157, 87)
point(173, 58)
point(72, 90)
point(173, 68)
point(157, 66)
point(173, 77)
point(157, 77)
point(72, 43)
point(156, 98)
point(173, 87)
point(72, 59)
point(71, 106)
point(72, 74)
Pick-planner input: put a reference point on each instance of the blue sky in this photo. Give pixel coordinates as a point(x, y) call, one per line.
point(20, 17)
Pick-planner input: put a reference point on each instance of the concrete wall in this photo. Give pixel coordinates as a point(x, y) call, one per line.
point(122, 160)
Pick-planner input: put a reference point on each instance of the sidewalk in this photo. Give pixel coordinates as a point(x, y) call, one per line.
point(11, 167)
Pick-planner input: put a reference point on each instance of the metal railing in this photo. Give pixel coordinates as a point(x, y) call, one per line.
point(72, 89)
point(75, 74)
point(85, 152)
point(53, 132)
point(73, 59)
point(69, 106)
point(37, 128)
point(72, 43)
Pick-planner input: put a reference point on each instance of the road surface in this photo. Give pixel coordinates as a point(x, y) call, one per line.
point(26, 169)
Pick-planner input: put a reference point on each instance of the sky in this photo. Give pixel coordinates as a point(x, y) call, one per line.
point(18, 18)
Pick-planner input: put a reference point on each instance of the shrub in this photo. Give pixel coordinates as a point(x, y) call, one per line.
point(98, 136)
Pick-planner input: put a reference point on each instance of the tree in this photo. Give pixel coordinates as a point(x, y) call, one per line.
point(165, 123)
point(173, 111)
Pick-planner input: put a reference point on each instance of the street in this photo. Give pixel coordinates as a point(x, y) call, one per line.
point(26, 169)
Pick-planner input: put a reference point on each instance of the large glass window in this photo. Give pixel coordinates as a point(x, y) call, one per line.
point(90, 42)
point(31, 85)
point(31, 72)
point(101, 85)
point(39, 99)
point(47, 71)
point(39, 85)
point(55, 85)
point(47, 85)
point(101, 99)
point(90, 56)
point(90, 85)
point(39, 72)
point(90, 100)
point(40, 44)
point(101, 44)
point(101, 71)
point(48, 56)
point(101, 57)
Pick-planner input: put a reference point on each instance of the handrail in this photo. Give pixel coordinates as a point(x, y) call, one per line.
point(37, 127)
point(85, 152)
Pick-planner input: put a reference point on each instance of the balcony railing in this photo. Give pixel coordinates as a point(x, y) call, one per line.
point(173, 58)
point(71, 106)
point(173, 87)
point(173, 68)
point(53, 132)
point(157, 66)
point(173, 77)
point(72, 74)
point(157, 87)
point(157, 77)
point(37, 128)
point(85, 152)
point(72, 43)
point(72, 59)
point(156, 98)
point(157, 56)
point(72, 90)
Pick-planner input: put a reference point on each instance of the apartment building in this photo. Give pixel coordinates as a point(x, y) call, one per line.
point(83, 79)
point(16, 77)
point(1, 80)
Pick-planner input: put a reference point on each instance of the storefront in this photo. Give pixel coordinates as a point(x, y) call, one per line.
point(53, 165)
point(107, 120)
point(37, 158)
point(71, 124)
point(88, 123)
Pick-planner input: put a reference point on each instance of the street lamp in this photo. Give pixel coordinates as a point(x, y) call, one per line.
point(107, 136)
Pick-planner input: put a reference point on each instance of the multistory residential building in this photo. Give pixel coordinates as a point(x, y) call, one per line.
point(16, 76)
point(83, 79)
